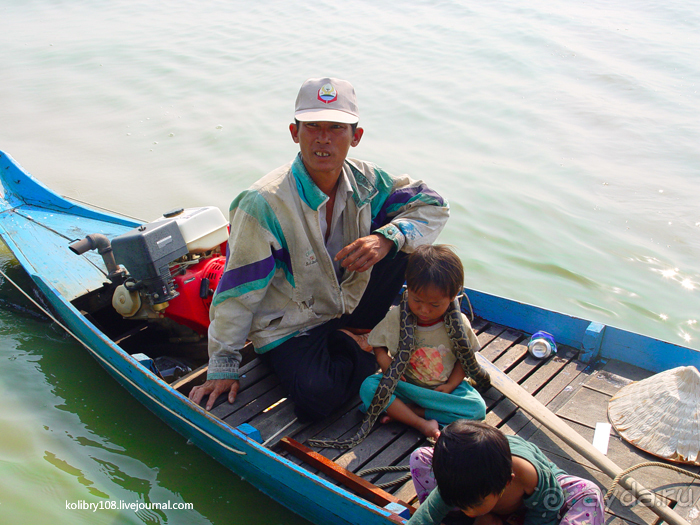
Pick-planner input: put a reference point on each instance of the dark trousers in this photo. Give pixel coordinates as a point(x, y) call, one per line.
point(324, 369)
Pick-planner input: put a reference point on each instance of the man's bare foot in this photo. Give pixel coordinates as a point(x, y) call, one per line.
point(431, 429)
point(360, 339)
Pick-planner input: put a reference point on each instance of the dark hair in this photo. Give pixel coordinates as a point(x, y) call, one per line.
point(471, 461)
point(435, 265)
point(352, 126)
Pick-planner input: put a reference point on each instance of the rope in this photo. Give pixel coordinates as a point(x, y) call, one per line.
point(460, 298)
point(396, 468)
point(622, 474)
point(103, 209)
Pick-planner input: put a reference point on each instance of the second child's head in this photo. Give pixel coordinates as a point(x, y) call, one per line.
point(473, 466)
point(434, 278)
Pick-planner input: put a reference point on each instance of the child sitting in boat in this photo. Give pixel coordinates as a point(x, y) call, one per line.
point(433, 391)
point(497, 479)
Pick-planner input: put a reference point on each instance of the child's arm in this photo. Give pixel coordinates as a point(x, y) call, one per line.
point(456, 377)
point(383, 357)
point(431, 512)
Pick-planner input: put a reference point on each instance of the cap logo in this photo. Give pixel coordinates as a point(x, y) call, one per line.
point(327, 94)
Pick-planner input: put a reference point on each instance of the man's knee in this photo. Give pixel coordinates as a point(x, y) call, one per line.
point(316, 398)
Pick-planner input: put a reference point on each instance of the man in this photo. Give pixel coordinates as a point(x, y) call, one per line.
point(316, 245)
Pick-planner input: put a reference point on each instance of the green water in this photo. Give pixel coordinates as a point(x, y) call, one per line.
point(564, 134)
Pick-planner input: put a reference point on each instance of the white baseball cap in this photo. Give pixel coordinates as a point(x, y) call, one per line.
point(327, 100)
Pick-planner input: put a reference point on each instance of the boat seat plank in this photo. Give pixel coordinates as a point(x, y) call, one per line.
point(478, 324)
point(343, 427)
point(253, 384)
point(223, 409)
point(550, 368)
point(261, 402)
point(504, 342)
point(551, 390)
point(383, 439)
point(537, 374)
point(587, 407)
point(279, 422)
point(305, 431)
point(584, 373)
point(614, 375)
point(525, 364)
point(382, 436)
point(511, 357)
point(487, 336)
point(396, 454)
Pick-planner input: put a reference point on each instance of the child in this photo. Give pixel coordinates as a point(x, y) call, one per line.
point(491, 477)
point(433, 391)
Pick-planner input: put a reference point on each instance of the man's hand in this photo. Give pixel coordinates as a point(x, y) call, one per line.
point(215, 387)
point(365, 252)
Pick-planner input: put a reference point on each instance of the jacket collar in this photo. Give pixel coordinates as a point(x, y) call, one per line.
point(362, 186)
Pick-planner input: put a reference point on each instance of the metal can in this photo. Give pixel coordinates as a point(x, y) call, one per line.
point(542, 345)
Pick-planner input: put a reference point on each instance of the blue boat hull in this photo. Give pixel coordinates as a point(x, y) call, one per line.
point(37, 225)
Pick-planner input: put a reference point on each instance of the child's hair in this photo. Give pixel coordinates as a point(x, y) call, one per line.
point(435, 265)
point(471, 461)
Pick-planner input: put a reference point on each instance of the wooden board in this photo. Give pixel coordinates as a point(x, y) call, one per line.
point(578, 392)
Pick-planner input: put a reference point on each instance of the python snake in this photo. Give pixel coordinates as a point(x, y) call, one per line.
point(387, 384)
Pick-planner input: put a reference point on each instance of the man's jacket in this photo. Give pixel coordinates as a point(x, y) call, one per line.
point(279, 279)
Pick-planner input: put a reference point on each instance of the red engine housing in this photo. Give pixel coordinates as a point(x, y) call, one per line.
point(196, 286)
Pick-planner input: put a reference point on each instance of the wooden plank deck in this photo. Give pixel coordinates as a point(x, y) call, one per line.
point(576, 392)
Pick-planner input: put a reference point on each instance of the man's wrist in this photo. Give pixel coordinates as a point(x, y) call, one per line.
point(392, 233)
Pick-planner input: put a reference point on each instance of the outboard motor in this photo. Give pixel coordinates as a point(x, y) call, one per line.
point(146, 253)
point(173, 266)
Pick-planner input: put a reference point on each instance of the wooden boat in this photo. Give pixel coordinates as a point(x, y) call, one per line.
point(258, 437)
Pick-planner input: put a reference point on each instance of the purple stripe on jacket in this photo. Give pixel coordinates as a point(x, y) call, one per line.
point(256, 271)
point(403, 196)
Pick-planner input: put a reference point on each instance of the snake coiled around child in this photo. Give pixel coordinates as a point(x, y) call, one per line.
point(463, 351)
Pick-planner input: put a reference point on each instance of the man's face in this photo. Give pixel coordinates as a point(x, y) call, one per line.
point(324, 145)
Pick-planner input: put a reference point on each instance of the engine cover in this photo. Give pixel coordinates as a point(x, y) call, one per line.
point(146, 252)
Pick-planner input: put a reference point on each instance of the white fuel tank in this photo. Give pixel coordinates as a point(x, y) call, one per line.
point(202, 228)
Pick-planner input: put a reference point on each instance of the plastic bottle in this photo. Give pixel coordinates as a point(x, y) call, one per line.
point(542, 345)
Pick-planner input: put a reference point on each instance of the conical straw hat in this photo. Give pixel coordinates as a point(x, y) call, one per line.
point(660, 414)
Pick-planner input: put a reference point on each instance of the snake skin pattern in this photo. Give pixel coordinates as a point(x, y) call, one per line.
point(387, 384)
